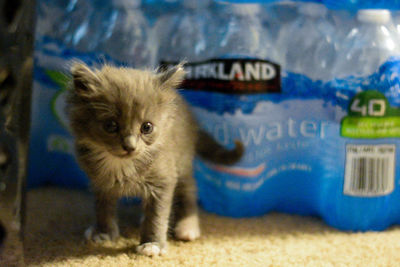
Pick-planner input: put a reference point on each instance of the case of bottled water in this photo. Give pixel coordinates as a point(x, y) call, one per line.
point(312, 90)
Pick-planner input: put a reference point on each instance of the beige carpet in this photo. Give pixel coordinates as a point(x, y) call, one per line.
point(57, 218)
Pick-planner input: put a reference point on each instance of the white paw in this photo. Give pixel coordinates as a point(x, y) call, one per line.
point(150, 249)
point(188, 229)
point(92, 235)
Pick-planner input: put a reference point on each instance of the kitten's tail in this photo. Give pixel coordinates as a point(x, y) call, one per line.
point(208, 149)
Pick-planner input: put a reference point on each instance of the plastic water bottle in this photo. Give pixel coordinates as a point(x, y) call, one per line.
point(184, 35)
point(126, 39)
point(356, 195)
point(74, 22)
point(396, 20)
point(87, 37)
point(368, 45)
point(277, 14)
point(344, 21)
point(242, 34)
point(308, 44)
point(48, 16)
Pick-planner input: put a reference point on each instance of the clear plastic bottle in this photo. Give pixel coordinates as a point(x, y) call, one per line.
point(87, 38)
point(126, 38)
point(74, 24)
point(368, 45)
point(277, 14)
point(51, 17)
point(184, 35)
point(308, 44)
point(344, 21)
point(241, 34)
point(396, 21)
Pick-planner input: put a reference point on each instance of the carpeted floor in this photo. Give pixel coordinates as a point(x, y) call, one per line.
point(57, 218)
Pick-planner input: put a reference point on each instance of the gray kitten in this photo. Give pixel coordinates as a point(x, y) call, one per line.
point(135, 136)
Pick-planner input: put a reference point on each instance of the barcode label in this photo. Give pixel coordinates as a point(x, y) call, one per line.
point(370, 170)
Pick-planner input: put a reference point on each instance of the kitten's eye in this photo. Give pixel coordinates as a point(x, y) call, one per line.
point(146, 128)
point(111, 126)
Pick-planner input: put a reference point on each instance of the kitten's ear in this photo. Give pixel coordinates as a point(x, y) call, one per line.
point(172, 77)
point(85, 81)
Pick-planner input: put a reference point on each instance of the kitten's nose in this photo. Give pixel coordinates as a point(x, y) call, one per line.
point(129, 144)
point(128, 148)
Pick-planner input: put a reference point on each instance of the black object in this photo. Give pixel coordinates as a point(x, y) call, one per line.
point(2, 235)
point(16, 63)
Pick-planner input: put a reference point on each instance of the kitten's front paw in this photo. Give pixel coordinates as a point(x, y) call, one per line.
point(92, 234)
point(151, 249)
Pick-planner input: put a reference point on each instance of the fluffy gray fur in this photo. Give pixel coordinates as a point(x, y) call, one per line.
point(135, 136)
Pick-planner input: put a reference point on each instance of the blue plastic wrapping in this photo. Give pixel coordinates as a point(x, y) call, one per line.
point(322, 148)
point(362, 4)
point(333, 4)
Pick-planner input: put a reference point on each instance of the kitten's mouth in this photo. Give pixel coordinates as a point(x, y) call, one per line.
point(123, 154)
point(126, 154)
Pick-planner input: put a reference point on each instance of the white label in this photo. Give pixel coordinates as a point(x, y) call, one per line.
point(370, 170)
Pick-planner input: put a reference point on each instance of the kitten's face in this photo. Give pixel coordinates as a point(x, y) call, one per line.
point(123, 111)
point(125, 127)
